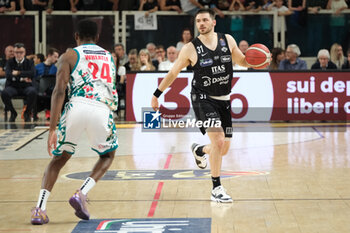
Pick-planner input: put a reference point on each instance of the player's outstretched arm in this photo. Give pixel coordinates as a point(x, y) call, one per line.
point(64, 67)
point(237, 56)
point(182, 61)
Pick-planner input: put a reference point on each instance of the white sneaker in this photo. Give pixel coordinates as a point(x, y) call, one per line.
point(219, 195)
point(201, 161)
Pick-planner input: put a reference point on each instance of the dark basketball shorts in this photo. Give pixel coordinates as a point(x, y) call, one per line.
point(206, 108)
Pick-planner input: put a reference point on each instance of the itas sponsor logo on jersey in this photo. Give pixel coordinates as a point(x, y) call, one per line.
point(205, 62)
point(221, 80)
point(222, 42)
point(218, 69)
point(226, 58)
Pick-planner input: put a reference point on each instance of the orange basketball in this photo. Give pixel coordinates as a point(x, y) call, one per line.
point(258, 56)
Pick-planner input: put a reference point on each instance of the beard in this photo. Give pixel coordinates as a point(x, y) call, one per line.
point(205, 31)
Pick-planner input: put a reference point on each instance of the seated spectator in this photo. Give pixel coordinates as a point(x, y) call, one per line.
point(337, 55)
point(186, 37)
point(38, 58)
point(346, 65)
point(190, 6)
point(19, 74)
point(170, 5)
point(120, 52)
point(171, 54)
point(8, 55)
point(149, 6)
point(243, 46)
point(120, 82)
point(292, 61)
point(47, 67)
point(277, 56)
point(160, 55)
point(212, 4)
point(151, 47)
point(145, 62)
point(236, 5)
point(323, 62)
point(132, 64)
point(7, 6)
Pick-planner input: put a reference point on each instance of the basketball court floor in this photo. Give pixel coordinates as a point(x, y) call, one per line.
point(291, 178)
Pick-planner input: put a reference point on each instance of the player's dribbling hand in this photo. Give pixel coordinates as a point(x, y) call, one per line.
point(51, 142)
point(154, 103)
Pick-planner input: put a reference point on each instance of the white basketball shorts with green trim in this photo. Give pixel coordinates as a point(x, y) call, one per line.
point(82, 114)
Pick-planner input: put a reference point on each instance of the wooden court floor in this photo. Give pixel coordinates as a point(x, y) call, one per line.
point(295, 179)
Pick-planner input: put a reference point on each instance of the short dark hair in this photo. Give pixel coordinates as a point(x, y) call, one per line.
point(19, 45)
point(40, 56)
point(87, 29)
point(119, 44)
point(51, 51)
point(206, 10)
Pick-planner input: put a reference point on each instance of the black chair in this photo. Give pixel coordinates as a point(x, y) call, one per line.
point(46, 86)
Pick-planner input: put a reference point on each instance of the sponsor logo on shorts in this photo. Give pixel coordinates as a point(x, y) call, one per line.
point(226, 58)
point(205, 62)
point(206, 81)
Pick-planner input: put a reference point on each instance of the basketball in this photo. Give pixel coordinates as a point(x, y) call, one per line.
point(258, 56)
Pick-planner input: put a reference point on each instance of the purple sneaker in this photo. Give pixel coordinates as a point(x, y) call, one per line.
point(78, 202)
point(39, 216)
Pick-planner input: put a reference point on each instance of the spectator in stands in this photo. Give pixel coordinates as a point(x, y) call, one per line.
point(132, 64)
point(58, 5)
point(47, 67)
point(282, 10)
point(337, 6)
point(120, 52)
point(151, 47)
point(170, 5)
point(38, 58)
point(32, 5)
point(346, 65)
point(292, 61)
point(7, 6)
point(19, 74)
point(243, 46)
point(224, 4)
point(277, 56)
point(314, 6)
point(186, 37)
point(190, 6)
point(8, 55)
point(145, 62)
point(236, 5)
point(149, 6)
point(91, 5)
point(323, 62)
point(160, 54)
point(127, 5)
point(213, 5)
point(299, 9)
point(337, 55)
point(171, 54)
point(120, 82)
point(253, 5)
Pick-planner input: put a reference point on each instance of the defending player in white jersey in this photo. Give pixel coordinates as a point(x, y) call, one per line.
point(89, 72)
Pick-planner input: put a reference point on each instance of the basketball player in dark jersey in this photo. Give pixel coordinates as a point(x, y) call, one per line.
point(211, 55)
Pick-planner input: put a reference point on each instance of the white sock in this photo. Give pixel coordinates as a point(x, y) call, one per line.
point(88, 184)
point(43, 196)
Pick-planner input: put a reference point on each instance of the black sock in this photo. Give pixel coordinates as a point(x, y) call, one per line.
point(199, 151)
point(216, 181)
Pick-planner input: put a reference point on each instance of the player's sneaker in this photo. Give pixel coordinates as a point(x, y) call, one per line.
point(39, 216)
point(219, 195)
point(201, 161)
point(78, 201)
